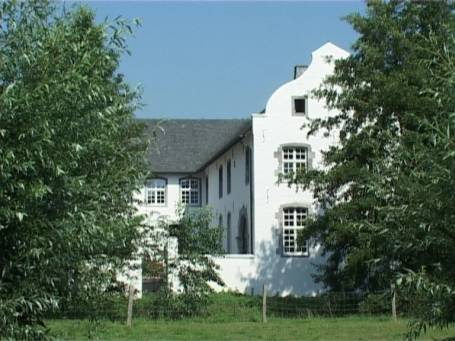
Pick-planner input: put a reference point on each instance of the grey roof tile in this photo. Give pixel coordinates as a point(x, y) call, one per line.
point(187, 145)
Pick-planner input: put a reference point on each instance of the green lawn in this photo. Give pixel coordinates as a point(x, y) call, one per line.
point(346, 328)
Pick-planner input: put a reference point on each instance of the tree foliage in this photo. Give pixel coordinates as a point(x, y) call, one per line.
point(187, 266)
point(70, 157)
point(389, 188)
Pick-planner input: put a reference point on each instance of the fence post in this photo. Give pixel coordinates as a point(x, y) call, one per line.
point(394, 301)
point(264, 304)
point(130, 305)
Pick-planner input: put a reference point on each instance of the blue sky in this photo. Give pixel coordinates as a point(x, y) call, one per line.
point(222, 59)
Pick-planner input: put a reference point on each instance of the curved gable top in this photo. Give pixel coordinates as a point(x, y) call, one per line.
point(329, 49)
point(280, 103)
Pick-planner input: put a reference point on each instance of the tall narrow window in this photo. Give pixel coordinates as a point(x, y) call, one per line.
point(294, 159)
point(247, 165)
point(220, 181)
point(243, 235)
point(190, 191)
point(228, 177)
point(207, 190)
point(228, 233)
point(220, 226)
point(155, 192)
point(294, 221)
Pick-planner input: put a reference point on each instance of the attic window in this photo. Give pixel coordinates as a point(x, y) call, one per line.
point(300, 106)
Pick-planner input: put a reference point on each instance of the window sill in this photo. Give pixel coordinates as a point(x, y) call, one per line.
point(152, 205)
point(304, 255)
point(237, 256)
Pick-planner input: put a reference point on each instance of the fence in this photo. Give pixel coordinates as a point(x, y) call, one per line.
point(237, 307)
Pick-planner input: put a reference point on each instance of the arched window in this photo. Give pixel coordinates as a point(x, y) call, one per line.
point(190, 191)
point(155, 192)
point(220, 226)
point(243, 235)
point(228, 177)
point(228, 233)
point(220, 181)
point(207, 190)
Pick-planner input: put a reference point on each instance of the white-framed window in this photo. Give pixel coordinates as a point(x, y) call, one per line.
point(294, 159)
point(294, 219)
point(155, 192)
point(190, 191)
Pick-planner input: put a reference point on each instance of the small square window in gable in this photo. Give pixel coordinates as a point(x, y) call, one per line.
point(300, 106)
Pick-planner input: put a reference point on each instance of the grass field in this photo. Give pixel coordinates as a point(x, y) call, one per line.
point(339, 329)
point(236, 317)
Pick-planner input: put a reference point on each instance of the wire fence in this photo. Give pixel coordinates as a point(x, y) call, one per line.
point(236, 307)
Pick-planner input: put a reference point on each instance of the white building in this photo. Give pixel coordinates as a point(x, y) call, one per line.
point(233, 166)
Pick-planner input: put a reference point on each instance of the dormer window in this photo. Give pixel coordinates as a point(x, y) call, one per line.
point(294, 159)
point(300, 106)
point(190, 191)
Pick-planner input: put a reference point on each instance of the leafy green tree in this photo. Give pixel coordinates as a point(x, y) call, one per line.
point(70, 157)
point(188, 266)
point(388, 190)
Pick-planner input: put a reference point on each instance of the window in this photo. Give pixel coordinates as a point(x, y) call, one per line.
point(220, 226)
point(220, 182)
point(300, 106)
point(247, 165)
point(293, 221)
point(207, 190)
point(243, 236)
point(294, 159)
point(189, 191)
point(155, 192)
point(228, 176)
point(228, 233)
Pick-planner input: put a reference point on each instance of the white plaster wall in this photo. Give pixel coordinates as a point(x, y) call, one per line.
point(238, 198)
point(282, 275)
point(277, 126)
point(169, 210)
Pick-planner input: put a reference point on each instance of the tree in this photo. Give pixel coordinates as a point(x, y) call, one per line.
point(388, 190)
point(188, 267)
point(71, 155)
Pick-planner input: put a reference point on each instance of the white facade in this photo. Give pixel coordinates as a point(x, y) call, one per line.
point(259, 243)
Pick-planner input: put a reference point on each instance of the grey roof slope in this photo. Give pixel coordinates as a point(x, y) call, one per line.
point(187, 145)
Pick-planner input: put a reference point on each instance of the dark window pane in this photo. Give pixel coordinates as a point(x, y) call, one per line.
point(228, 174)
point(220, 182)
point(247, 165)
point(300, 105)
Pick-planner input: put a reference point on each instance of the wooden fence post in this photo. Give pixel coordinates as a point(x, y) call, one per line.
point(129, 318)
point(264, 304)
point(394, 301)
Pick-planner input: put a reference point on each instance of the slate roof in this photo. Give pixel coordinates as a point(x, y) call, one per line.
point(188, 145)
